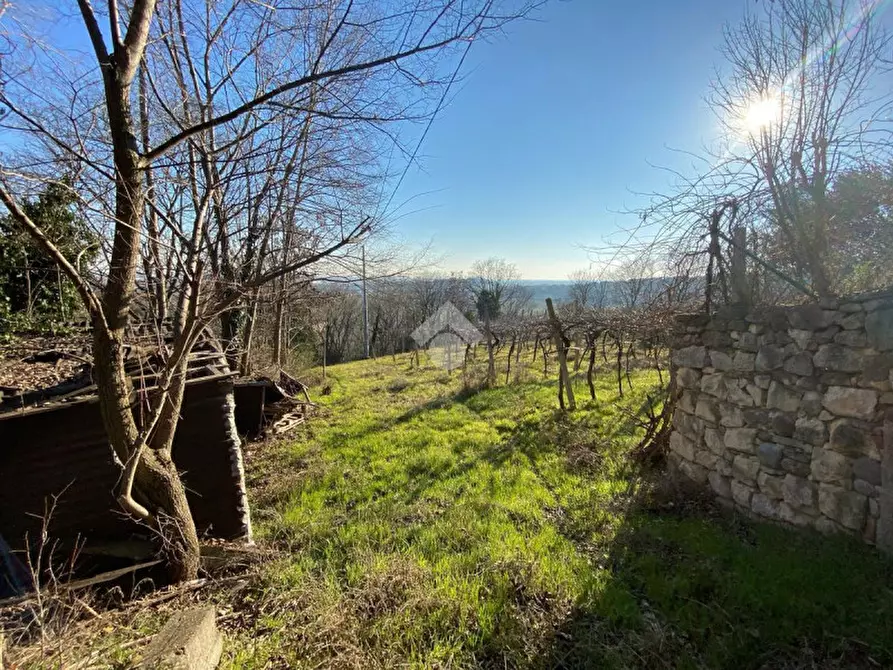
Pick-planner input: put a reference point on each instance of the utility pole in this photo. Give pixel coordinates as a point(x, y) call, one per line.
point(365, 309)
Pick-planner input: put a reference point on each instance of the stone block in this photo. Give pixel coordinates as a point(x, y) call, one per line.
point(720, 360)
point(189, 641)
point(713, 438)
point(732, 416)
point(706, 458)
point(783, 398)
point(687, 401)
point(763, 381)
point(740, 439)
point(737, 395)
point(768, 359)
point(837, 358)
point(851, 338)
point(852, 440)
point(714, 385)
point(794, 516)
point(720, 485)
point(783, 424)
point(811, 403)
point(682, 446)
point(830, 467)
point(876, 367)
point(811, 431)
point(696, 473)
point(748, 342)
point(757, 394)
point(810, 317)
point(852, 321)
point(799, 364)
point(879, 328)
point(688, 378)
point(690, 426)
point(863, 487)
point(741, 493)
point(706, 409)
point(743, 362)
point(795, 467)
point(884, 537)
point(848, 508)
point(802, 338)
point(745, 469)
point(770, 455)
point(764, 506)
point(771, 485)
point(852, 402)
point(799, 492)
point(868, 469)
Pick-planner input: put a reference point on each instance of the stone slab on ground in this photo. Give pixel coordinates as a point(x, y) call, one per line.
point(189, 641)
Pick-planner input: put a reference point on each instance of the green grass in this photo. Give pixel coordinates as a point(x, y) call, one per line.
point(426, 525)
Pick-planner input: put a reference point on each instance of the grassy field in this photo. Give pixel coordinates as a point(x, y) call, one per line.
point(422, 524)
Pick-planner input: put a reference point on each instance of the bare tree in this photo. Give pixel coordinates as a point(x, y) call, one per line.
point(88, 118)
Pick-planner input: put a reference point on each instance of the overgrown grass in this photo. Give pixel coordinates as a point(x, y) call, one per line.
point(429, 525)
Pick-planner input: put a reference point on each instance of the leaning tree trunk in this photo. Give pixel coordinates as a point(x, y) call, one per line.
point(156, 482)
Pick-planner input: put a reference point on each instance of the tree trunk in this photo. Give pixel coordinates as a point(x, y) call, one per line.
point(230, 327)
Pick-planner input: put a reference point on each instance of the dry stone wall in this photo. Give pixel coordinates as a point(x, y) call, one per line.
point(787, 413)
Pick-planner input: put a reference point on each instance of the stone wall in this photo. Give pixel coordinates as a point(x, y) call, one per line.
point(787, 413)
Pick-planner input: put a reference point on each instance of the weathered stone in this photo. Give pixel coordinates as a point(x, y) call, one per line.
point(748, 342)
point(713, 440)
point(795, 467)
point(687, 401)
point(768, 359)
point(826, 336)
point(853, 321)
point(812, 431)
point(791, 515)
point(844, 401)
point(879, 327)
point(884, 537)
point(757, 394)
point(694, 472)
point(715, 385)
point(745, 469)
point(836, 358)
point(863, 487)
point(799, 492)
point(868, 469)
point(810, 317)
point(732, 416)
point(771, 485)
point(802, 338)
point(848, 508)
point(763, 505)
point(741, 493)
point(799, 364)
point(826, 526)
point(852, 441)
point(688, 378)
point(720, 360)
point(724, 467)
point(831, 467)
point(705, 458)
point(738, 396)
point(851, 307)
point(682, 446)
point(770, 455)
point(851, 338)
point(873, 506)
point(783, 424)
point(690, 426)
point(811, 403)
point(762, 381)
point(690, 357)
point(869, 530)
point(743, 361)
point(740, 439)
point(719, 484)
point(189, 641)
point(783, 398)
point(877, 367)
point(707, 410)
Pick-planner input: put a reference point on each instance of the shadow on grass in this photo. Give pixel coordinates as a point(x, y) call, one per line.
point(692, 586)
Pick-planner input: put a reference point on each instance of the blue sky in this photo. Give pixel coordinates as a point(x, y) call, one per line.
point(554, 127)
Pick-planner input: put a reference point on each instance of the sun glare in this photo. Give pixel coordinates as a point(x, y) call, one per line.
point(760, 114)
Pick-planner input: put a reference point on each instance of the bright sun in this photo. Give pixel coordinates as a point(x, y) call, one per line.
point(760, 114)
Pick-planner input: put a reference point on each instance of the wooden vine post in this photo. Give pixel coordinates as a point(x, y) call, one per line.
point(564, 380)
